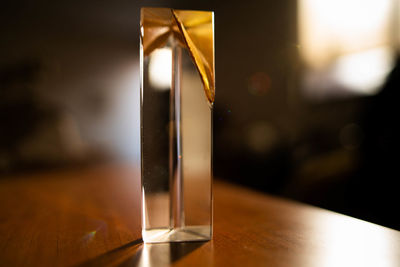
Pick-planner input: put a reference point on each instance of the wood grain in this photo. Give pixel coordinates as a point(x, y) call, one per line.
point(91, 217)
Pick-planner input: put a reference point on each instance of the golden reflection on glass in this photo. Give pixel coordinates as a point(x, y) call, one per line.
point(193, 30)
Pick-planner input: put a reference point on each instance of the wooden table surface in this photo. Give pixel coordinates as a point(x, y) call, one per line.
point(91, 217)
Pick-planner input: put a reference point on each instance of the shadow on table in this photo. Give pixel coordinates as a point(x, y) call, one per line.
point(136, 253)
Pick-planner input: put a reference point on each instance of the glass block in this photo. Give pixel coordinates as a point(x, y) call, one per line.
point(177, 97)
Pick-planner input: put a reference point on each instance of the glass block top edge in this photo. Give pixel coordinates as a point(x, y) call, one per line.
point(169, 9)
point(195, 31)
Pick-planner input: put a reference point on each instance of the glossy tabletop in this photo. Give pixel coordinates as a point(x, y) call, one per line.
point(91, 217)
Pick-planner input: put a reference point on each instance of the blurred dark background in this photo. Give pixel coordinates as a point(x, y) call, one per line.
point(306, 99)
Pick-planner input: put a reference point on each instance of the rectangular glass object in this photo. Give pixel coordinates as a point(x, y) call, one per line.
point(177, 96)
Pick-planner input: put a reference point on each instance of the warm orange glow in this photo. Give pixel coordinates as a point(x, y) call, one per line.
point(363, 72)
point(331, 28)
point(348, 44)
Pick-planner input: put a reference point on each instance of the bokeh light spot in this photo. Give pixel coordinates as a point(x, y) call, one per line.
point(259, 84)
point(262, 137)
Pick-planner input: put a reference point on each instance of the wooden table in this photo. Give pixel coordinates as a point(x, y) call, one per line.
point(91, 217)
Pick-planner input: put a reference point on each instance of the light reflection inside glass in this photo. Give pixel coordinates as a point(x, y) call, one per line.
point(160, 72)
